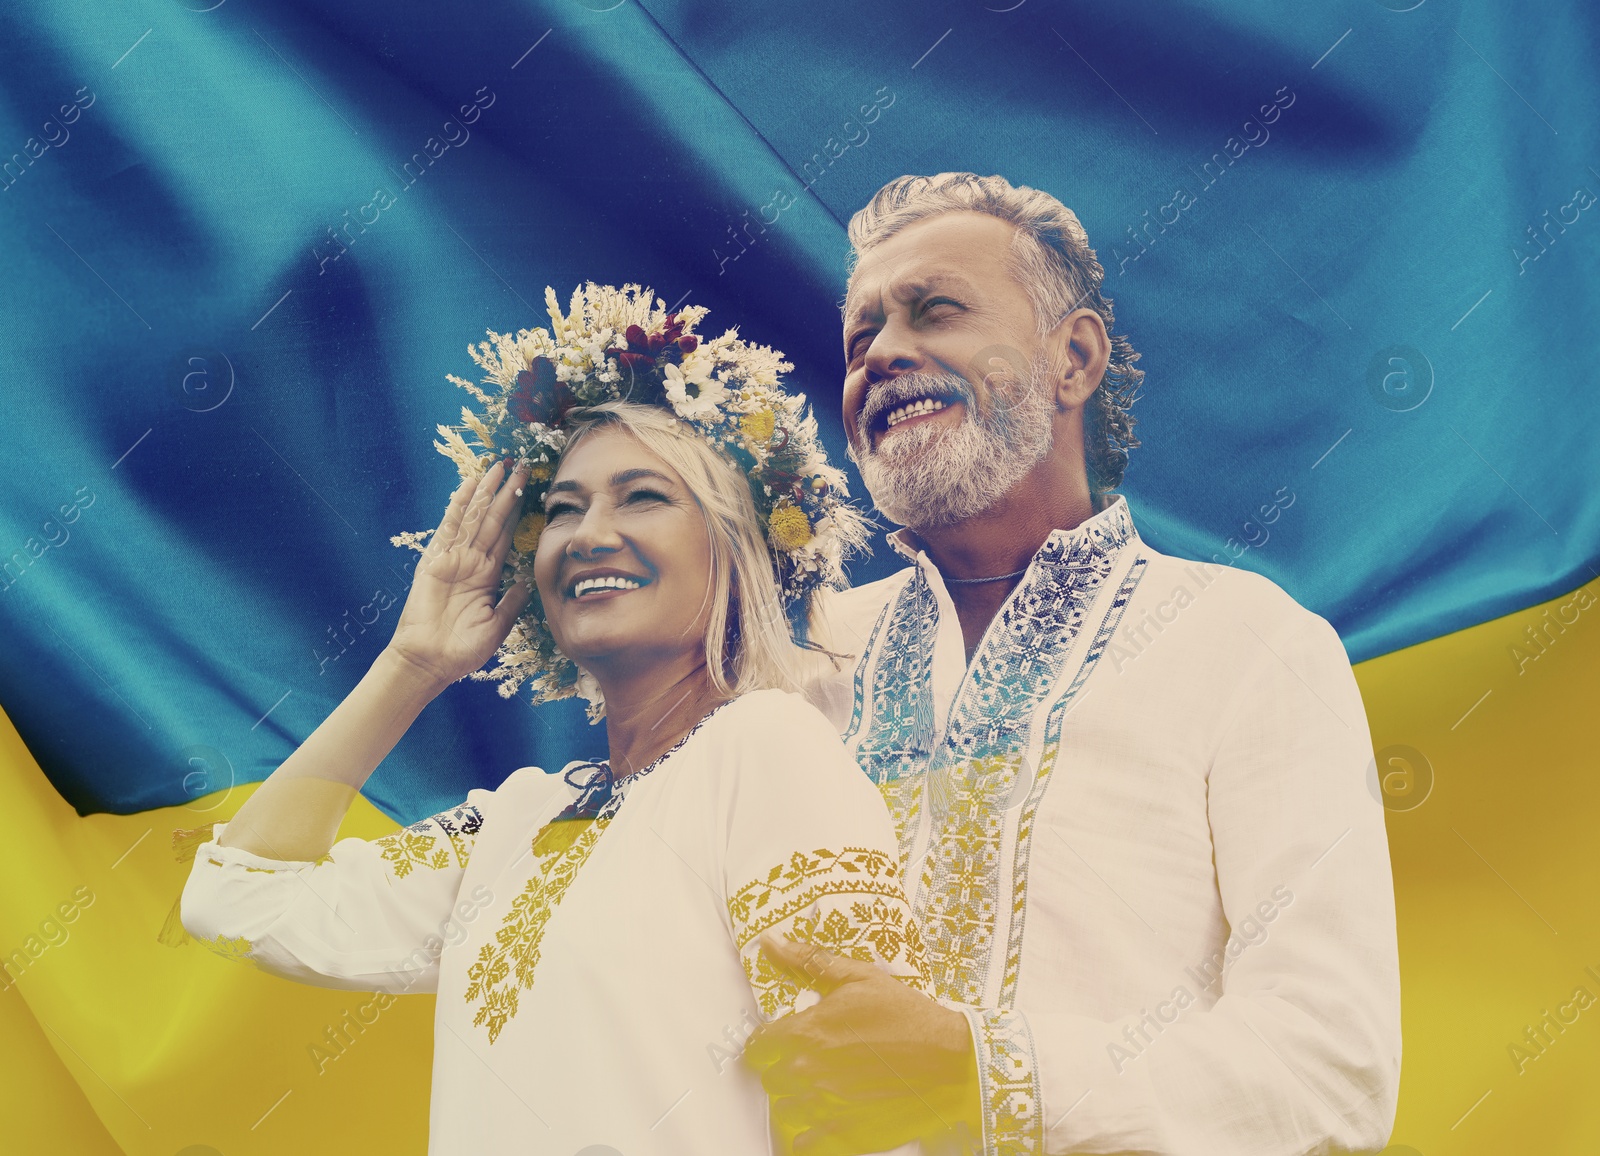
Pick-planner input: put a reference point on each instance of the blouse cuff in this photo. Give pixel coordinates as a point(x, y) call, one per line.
point(1008, 1080)
point(219, 856)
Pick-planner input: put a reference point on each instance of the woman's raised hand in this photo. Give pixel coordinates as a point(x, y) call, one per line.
point(455, 617)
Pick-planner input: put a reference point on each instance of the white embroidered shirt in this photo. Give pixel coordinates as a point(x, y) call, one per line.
point(1147, 848)
point(596, 978)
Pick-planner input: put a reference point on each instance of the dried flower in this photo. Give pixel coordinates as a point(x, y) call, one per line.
point(621, 343)
point(788, 528)
point(526, 538)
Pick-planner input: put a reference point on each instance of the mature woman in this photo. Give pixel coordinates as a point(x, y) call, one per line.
point(594, 936)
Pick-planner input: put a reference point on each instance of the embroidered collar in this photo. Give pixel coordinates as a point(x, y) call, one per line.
point(595, 786)
point(1108, 530)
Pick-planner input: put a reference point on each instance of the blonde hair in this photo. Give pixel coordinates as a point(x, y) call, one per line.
point(748, 643)
point(1052, 260)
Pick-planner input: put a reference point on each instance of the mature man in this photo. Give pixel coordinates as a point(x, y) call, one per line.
point(1151, 875)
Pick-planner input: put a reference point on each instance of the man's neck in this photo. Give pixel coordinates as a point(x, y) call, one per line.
point(1002, 541)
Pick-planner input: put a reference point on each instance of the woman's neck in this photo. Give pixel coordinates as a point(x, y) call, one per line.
point(649, 711)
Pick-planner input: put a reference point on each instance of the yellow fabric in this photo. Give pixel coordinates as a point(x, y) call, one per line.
point(1517, 782)
point(41, 1106)
point(1497, 890)
point(173, 1048)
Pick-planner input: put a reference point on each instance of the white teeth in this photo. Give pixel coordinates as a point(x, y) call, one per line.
point(914, 409)
point(607, 582)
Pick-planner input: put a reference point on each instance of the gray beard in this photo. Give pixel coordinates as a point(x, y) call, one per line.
point(930, 476)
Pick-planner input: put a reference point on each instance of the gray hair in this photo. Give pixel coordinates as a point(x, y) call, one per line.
point(1053, 262)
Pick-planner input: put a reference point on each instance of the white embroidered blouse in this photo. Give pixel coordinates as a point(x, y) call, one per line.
point(1146, 846)
point(596, 978)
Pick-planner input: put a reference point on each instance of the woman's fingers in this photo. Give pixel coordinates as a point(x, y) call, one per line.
point(476, 535)
point(455, 513)
point(512, 603)
point(498, 514)
point(477, 509)
point(471, 507)
point(487, 512)
point(508, 528)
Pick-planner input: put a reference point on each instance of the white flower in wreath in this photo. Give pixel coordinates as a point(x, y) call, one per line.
point(709, 393)
point(826, 551)
point(594, 349)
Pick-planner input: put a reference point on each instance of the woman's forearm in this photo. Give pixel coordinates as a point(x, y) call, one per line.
point(455, 617)
point(295, 813)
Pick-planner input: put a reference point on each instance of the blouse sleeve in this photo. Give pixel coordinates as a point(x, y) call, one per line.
point(812, 855)
point(370, 915)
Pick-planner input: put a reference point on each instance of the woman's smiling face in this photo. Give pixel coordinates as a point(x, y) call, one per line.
point(623, 566)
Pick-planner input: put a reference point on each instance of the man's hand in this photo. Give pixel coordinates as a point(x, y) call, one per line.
point(873, 1065)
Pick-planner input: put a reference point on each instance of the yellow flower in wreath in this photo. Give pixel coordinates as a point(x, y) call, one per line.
point(788, 527)
point(759, 426)
point(526, 538)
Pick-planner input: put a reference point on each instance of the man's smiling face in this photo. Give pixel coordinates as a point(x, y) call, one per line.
point(945, 403)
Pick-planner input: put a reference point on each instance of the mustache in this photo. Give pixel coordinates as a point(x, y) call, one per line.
point(896, 391)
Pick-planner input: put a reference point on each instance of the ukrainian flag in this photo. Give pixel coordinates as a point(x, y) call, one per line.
point(243, 245)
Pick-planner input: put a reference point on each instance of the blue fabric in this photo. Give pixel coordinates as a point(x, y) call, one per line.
point(222, 412)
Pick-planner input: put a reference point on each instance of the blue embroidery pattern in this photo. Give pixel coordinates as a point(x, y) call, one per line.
point(894, 751)
point(461, 825)
point(976, 769)
point(861, 675)
point(976, 777)
point(418, 844)
point(1047, 759)
point(900, 737)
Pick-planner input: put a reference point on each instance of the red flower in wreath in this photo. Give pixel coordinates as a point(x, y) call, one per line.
point(539, 397)
point(643, 351)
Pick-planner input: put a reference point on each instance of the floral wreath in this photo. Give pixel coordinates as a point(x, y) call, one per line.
point(622, 344)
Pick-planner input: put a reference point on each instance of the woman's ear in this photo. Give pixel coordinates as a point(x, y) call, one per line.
point(1078, 349)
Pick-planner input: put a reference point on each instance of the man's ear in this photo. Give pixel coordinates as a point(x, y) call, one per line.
point(1079, 350)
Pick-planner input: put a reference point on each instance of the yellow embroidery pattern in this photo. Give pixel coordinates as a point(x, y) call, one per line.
point(418, 844)
point(506, 966)
point(849, 902)
point(409, 847)
point(237, 949)
point(903, 796)
point(1019, 872)
point(959, 891)
point(1047, 760)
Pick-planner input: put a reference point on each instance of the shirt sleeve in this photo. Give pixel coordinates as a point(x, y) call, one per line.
point(812, 855)
point(1300, 1052)
point(370, 915)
